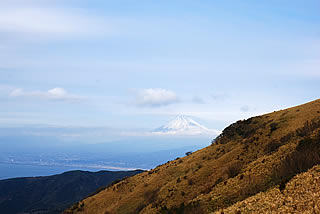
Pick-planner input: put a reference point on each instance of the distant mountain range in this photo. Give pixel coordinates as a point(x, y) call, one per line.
point(182, 125)
point(53, 194)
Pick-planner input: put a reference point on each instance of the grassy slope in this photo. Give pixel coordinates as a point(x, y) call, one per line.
point(301, 195)
point(249, 157)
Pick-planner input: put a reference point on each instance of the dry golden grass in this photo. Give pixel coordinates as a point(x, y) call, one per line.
point(301, 195)
point(244, 161)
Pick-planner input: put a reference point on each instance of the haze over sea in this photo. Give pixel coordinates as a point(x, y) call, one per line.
point(126, 154)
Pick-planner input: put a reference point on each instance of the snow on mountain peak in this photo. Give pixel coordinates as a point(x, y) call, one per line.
point(182, 125)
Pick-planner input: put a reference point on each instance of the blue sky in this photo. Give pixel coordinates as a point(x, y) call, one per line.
point(134, 65)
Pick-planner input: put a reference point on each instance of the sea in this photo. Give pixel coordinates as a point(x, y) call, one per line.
point(9, 170)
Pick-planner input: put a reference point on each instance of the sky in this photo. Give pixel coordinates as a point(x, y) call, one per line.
point(135, 65)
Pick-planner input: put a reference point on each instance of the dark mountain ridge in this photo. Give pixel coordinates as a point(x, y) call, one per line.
point(52, 194)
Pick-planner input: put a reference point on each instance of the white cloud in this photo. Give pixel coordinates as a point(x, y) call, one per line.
point(50, 22)
point(52, 94)
point(208, 133)
point(155, 97)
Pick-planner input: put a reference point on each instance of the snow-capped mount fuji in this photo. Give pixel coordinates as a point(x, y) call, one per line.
point(182, 125)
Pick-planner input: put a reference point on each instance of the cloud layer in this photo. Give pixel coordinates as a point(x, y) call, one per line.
point(30, 22)
point(52, 94)
point(155, 97)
